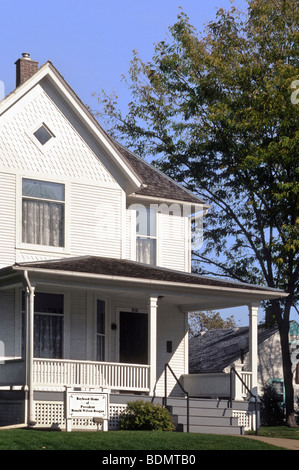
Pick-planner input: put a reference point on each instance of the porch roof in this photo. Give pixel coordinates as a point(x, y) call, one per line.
point(185, 289)
point(126, 268)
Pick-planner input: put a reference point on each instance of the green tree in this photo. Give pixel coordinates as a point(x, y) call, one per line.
point(208, 320)
point(218, 112)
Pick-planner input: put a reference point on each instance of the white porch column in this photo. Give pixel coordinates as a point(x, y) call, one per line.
point(153, 307)
point(253, 344)
point(30, 293)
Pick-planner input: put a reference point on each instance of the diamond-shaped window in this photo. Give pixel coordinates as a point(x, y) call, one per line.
point(43, 134)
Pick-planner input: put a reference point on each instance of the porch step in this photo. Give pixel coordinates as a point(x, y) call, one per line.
point(226, 430)
point(208, 416)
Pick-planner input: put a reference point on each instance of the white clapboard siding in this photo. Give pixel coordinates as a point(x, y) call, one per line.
point(129, 234)
point(77, 332)
point(66, 155)
point(168, 315)
point(95, 221)
point(172, 244)
point(7, 219)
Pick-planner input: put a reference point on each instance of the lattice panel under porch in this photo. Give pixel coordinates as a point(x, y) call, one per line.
point(51, 415)
point(244, 419)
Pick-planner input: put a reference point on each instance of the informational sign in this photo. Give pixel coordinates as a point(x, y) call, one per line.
point(87, 404)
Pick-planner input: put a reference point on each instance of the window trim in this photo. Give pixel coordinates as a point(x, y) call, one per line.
point(102, 334)
point(20, 245)
point(62, 315)
point(135, 236)
point(47, 145)
point(51, 134)
point(106, 334)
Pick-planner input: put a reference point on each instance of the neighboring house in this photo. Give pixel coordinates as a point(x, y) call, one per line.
point(95, 263)
point(216, 350)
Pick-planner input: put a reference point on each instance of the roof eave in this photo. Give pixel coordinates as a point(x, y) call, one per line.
point(157, 284)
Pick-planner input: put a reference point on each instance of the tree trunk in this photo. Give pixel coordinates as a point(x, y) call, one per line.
point(288, 375)
point(283, 322)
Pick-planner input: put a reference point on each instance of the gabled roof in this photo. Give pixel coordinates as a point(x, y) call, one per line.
point(156, 183)
point(143, 178)
point(216, 349)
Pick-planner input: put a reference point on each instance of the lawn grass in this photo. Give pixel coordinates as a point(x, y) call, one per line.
point(283, 432)
point(24, 439)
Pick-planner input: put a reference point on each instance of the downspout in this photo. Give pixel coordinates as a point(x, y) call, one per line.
point(30, 342)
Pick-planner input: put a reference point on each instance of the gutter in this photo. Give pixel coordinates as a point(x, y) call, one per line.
point(266, 293)
point(30, 418)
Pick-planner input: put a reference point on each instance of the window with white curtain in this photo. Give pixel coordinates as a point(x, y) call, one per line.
point(146, 235)
point(43, 213)
point(48, 325)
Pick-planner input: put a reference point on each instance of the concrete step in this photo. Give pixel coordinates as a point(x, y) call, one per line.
point(210, 416)
point(193, 411)
point(198, 402)
point(207, 421)
point(227, 430)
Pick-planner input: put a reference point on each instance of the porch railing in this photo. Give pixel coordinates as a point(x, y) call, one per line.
point(167, 366)
point(111, 375)
point(240, 378)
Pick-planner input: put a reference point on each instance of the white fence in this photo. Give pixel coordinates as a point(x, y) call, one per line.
point(111, 375)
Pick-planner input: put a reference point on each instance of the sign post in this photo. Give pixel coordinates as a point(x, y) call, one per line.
point(92, 404)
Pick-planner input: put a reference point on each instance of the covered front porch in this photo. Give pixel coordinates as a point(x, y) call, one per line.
point(121, 323)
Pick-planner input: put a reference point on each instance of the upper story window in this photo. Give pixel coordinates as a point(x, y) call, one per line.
point(43, 134)
point(43, 213)
point(146, 235)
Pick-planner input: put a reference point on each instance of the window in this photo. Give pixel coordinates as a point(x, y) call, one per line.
point(43, 134)
point(146, 235)
point(48, 325)
point(100, 330)
point(278, 385)
point(43, 213)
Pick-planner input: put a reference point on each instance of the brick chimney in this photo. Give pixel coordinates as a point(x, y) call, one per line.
point(25, 68)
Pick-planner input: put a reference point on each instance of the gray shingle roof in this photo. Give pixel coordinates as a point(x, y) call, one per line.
point(156, 183)
point(132, 269)
point(216, 349)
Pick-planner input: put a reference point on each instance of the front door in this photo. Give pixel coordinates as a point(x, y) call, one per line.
point(133, 338)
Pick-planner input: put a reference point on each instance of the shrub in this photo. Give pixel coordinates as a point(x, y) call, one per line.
point(146, 416)
point(272, 413)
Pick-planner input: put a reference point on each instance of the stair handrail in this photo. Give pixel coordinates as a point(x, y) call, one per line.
point(181, 386)
point(233, 370)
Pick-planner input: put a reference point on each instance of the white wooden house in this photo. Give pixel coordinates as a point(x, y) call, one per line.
point(95, 265)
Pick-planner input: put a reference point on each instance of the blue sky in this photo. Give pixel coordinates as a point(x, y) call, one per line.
point(91, 42)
